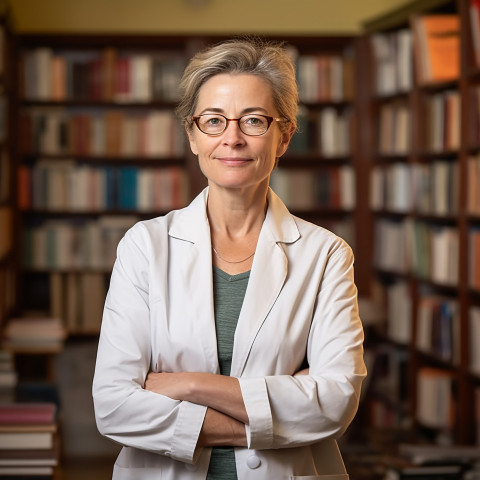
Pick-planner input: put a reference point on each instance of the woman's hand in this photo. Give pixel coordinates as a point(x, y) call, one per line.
point(219, 392)
point(173, 385)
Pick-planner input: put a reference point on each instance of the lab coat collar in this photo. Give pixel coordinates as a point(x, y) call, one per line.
point(191, 222)
point(267, 277)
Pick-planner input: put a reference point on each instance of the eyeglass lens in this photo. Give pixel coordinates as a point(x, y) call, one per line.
point(249, 124)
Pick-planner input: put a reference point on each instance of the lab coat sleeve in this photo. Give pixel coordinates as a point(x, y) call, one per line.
point(125, 412)
point(288, 411)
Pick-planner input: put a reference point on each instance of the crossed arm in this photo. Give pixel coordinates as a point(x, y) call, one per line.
point(226, 415)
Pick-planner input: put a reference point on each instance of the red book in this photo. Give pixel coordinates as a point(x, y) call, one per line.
point(27, 413)
point(24, 187)
point(122, 79)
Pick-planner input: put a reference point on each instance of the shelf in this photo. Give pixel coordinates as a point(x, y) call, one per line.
point(143, 161)
point(95, 104)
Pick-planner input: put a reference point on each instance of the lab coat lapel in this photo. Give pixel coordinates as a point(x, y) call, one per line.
point(196, 270)
point(267, 277)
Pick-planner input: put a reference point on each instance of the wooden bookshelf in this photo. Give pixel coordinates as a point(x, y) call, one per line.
point(421, 221)
point(76, 127)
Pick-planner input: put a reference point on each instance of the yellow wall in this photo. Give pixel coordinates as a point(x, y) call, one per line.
point(197, 16)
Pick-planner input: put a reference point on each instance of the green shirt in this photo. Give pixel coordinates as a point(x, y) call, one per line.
point(229, 292)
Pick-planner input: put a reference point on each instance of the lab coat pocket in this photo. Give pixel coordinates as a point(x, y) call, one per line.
point(341, 476)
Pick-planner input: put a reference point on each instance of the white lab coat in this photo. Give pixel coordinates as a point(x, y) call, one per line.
point(159, 315)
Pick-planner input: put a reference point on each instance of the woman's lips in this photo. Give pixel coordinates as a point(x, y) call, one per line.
point(234, 161)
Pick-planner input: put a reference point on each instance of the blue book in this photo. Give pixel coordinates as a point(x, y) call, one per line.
point(127, 188)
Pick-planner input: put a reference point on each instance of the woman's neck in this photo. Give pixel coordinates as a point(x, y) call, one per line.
point(236, 219)
point(236, 213)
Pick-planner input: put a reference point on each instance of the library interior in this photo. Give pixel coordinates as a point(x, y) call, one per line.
point(386, 156)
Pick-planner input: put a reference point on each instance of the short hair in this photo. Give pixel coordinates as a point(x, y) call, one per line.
point(268, 59)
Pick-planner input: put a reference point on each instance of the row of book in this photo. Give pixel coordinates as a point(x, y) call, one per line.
point(29, 443)
point(55, 185)
point(442, 121)
point(112, 75)
point(438, 328)
point(302, 189)
point(431, 252)
point(75, 244)
point(392, 54)
point(59, 131)
point(432, 44)
point(473, 184)
point(426, 188)
point(78, 298)
point(325, 78)
point(327, 132)
point(394, 129)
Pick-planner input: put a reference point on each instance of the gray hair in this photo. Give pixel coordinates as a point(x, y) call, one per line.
point(267, 59)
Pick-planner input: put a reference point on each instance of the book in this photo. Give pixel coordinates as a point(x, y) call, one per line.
point(474, 13)
point(435, 402)
point(27, 413)
point(422, 454)
point(403, 471)
point(34, 334)
point(27, 437)
point(436, 47)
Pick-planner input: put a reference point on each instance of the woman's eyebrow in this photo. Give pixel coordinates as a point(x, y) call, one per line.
point(244, 111)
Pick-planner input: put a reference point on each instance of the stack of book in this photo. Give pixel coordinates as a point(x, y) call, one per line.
point(8, 377)
point(433, 462)
point(28, 444)
point(33, 335)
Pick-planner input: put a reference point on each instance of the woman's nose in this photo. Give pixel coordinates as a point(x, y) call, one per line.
point(233, 134)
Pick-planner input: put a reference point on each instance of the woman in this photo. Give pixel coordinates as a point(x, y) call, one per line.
point(231, 326)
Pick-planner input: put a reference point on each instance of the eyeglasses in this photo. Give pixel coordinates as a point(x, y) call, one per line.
point(215, 124)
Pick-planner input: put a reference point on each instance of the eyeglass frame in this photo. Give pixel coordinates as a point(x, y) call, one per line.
point(269, 119)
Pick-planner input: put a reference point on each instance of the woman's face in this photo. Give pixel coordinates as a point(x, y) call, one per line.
point(234, 159)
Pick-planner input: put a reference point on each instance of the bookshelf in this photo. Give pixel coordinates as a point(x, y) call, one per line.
point(422, 140)
point(101, 149)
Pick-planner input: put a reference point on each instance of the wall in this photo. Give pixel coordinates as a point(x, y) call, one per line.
point(197, 16)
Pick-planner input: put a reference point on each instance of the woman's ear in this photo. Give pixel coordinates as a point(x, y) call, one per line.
point(191, 139)
point(285, 138)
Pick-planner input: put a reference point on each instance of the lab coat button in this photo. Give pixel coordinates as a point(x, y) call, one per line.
point(253, 461)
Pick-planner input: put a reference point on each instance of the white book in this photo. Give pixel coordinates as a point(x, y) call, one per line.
point(328, 120)
point(43, 60)
point(97, 135)
point(141, 78)
point(145, 198)
point(404, 60)
point(347, 188)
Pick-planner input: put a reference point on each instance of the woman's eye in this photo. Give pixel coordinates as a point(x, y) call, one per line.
point(254, 121)
point(214, 121)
